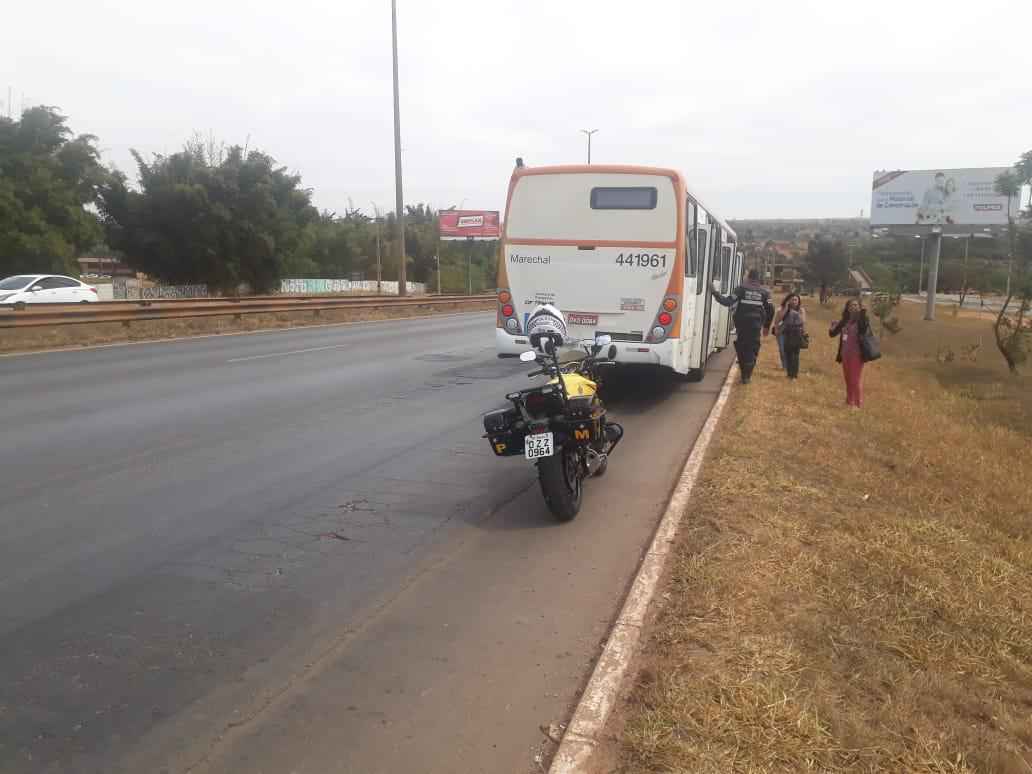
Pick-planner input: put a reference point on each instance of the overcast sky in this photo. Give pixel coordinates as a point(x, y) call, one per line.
point(772, 109)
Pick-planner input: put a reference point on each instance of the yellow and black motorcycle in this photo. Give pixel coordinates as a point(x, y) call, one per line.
point(561, 426)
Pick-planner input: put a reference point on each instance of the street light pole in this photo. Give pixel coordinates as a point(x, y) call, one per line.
point(920, 272)
point(379, 264)
point(589, 132)
point(1010, 240)
point(933, 272)
point(399, 197)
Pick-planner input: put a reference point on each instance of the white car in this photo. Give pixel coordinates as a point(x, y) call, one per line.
point(45, 289)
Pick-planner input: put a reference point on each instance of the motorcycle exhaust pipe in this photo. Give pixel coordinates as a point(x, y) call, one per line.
point(614, 433)
point(594, 461)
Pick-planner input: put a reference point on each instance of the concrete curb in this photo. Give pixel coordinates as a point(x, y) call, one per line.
point(589, 719)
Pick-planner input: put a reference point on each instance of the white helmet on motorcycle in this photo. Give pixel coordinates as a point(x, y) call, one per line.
point(547, 328)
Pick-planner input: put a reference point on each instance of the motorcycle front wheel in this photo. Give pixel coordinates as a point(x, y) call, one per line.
point(561, 483)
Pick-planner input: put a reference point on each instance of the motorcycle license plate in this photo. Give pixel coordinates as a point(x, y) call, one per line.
point(538, 446)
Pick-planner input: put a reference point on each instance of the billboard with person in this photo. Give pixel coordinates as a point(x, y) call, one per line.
point(469, 224)
point(939, 197)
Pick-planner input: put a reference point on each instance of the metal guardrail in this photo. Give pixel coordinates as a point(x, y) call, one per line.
point(37, 315)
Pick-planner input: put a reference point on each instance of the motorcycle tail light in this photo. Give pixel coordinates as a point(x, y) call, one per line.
point(535, 402)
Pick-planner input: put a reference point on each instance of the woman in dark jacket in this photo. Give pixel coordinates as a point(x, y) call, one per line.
point(850, 329)
point(790, 328)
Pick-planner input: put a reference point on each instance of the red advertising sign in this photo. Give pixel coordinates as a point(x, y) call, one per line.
point(469, 224)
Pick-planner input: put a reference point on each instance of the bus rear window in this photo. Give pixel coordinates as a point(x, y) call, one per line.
point(638, 198)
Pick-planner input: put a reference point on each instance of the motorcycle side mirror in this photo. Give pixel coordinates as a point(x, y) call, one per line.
point(604, 340)
point(529, 356)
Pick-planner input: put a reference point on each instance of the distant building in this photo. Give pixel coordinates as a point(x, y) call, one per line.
point(860, 280)
point(104, 265)
point(781, 264)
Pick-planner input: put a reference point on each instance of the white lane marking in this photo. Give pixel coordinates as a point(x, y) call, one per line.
point(291, 352)
point(292, 329)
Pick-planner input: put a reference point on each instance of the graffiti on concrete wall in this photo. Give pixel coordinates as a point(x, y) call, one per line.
point(318, 286)
point(123, 289)
point(174, 291)
point(126, 289)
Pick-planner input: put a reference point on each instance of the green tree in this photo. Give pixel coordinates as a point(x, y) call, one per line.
point(48, 179)
point(209, 214)
point(1013, 337)
point(826, 262)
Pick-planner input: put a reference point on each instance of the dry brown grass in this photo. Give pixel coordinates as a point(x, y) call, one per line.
point(852, 590)
point(57, 336)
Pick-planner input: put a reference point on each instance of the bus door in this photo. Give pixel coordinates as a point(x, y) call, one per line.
point(727, 284)
point(691, 300)
point(720, 312)
point(708, 235)
point(736, 280)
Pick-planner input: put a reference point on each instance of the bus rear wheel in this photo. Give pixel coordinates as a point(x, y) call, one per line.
point(694, 375)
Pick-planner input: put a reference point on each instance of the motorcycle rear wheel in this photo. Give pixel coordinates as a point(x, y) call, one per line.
point(562, 484)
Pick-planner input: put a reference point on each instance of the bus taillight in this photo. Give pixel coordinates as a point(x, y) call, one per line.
point(670, 304)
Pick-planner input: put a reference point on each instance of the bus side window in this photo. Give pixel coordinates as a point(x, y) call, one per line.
point(726, 267)
point(691, 266)
point(702, 252)
point(716, 256)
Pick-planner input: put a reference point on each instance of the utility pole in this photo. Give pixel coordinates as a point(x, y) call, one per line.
point(964, 283)
point(589, 132)
point(469, 267)
point(920, 272)
point(933, 272)
point(1010, 239)
point(399, 196)
point(379, 264)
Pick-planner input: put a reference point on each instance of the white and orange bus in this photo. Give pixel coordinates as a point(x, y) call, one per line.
point(620, 250)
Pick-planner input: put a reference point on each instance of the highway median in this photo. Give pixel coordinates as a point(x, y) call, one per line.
point(849, 589)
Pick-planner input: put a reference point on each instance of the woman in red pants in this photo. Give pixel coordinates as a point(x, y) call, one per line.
point(850, 329)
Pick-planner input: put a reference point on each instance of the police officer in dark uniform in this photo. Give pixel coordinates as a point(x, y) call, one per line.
point(753, 312)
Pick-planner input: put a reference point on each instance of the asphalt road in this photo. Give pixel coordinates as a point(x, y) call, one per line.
point(292, 552)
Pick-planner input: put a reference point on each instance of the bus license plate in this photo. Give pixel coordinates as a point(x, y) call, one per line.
point(538, 446)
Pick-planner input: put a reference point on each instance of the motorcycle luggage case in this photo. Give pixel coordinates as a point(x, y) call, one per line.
point(499, 426)
point(500, 421)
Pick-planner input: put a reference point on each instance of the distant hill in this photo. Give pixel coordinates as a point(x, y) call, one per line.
point(800, 230)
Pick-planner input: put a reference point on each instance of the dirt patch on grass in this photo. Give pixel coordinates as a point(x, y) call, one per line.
point(87, 334)
point(851, 589)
